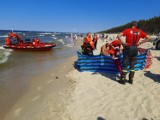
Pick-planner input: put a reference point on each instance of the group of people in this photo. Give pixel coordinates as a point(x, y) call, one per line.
point(35, 41)
point(15, 36)
point(129, 48)
point(19, 40)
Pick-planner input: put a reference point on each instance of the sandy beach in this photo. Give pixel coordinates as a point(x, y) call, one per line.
point(64, 93)
point(98, 96)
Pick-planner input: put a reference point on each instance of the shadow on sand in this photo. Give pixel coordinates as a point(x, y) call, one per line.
point(100, 118)
point(153, 76)
point(112, 76)
point(158, 58)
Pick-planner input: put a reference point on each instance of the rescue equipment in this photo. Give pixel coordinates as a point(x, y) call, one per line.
point(35, 45)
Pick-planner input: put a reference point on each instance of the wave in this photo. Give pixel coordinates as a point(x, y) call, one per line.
point(69, 45)
point(4, 36)
point(4, 54)
point(54, 38)
point(66, 36)
point(41, 35)
point(61, 41)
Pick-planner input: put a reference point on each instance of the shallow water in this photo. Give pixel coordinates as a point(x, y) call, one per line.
point(20, 66)
point(16, 73)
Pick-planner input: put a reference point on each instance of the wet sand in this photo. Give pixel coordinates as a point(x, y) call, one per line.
point(47, 95)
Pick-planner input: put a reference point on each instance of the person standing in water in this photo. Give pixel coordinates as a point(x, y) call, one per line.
point(74, 37)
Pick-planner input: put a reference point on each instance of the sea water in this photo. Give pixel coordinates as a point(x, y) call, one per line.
point(18, 67)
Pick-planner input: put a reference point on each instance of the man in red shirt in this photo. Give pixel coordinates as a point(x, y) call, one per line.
point(113, 49)
point(130, 49)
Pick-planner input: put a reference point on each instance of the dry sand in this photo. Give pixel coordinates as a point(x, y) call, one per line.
point(97, 96)
point(65, 93)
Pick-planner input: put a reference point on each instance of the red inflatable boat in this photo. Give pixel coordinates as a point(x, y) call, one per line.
point(34, 45)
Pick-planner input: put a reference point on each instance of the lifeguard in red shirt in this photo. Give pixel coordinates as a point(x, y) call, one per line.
point(115, 47)
point(8, 41)
point(130, 50)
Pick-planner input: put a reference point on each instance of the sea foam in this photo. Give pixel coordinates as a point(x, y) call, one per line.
point(4, 54)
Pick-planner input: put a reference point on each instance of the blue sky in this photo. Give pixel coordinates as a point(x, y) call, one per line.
point(73, 15)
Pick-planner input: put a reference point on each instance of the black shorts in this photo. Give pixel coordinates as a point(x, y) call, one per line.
point(129, 57)
point(131, 51)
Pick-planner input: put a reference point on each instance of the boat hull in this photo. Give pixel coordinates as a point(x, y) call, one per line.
point(31, 47)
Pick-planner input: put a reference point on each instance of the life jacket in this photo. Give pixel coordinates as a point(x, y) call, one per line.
point(88, 43)
point(34, 42)
point(8, 41)
point(37, 41)
point(14, 35)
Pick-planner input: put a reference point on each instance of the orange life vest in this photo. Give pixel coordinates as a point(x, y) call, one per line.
point(35, 41)
point(8, 41)
point(14, 35)
point(88, 43)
